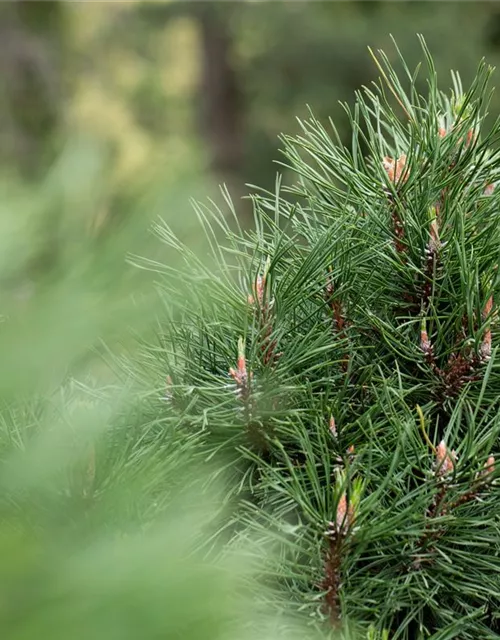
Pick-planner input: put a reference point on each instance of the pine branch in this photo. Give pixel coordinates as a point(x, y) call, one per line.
point(369, 287)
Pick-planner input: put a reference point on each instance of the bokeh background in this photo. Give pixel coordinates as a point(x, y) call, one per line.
point(179, 96)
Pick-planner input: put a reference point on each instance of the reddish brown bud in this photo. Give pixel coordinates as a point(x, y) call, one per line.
point(487, 470)
point(259, 287)
point(489, 465)
point(425, 343)
point(344, 518)
point(445, 460)
point(486, 344)
point(341, 514)
point(488, 307)
point(435, 242)
point(242, 365)
point(333, 428)
point(351, 454)
point(488, 190)
point(240, 375)
point(395, 168)
point(470, 137)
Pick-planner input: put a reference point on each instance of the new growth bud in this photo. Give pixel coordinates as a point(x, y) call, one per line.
point(488, 469)
point(442, 127)
point(344, 515)
point(332, 427)
point(347, 504)
point(259, 286)
point(258, 291)
point(425, 343)
point(485, 349)
point(471, 137)
point(351, 453)
point(240, 374)
point(489, 465)
point(445, 460)
point(395, 168)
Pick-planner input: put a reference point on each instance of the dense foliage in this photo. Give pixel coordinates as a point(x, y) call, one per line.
point(340, 363)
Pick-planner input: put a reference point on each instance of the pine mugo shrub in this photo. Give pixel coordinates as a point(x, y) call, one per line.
point(341, 359)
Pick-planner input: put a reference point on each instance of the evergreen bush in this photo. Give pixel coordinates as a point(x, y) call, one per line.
point(344, 355)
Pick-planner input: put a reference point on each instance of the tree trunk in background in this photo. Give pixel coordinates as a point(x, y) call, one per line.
point(220, 103)
point(221, 99)
point(30, 82)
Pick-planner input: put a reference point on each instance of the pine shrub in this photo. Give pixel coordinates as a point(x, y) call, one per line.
point(340, 360)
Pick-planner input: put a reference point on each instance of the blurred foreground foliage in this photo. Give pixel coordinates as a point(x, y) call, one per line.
point(106, 517)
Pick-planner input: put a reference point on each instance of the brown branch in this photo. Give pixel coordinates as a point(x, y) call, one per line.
point(331, 582)
point(337, 532)
point(339, 320)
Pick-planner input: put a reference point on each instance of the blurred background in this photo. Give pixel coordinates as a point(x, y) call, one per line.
point(176, 97)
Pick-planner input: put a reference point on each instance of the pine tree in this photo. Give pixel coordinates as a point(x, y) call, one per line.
point(341, 361)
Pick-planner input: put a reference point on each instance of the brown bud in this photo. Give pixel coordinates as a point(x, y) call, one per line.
point(425, 343)
point(351, 454)
point(488, 307)
point(259, 287)
point(345, 516)
point(471, 136)
point(489, 465)
point(395, 168)
point(240, 375)
point(485, 349)
point(445, 460)
point(487, 470)
point(435, 242)
point(342, 515)
point(333, 428)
